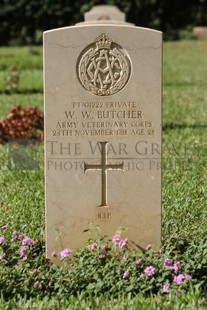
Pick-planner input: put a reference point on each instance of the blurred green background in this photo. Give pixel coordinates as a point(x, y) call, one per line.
point(23, 21)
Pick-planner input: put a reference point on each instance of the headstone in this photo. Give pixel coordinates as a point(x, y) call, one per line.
point(102, 132)
point(105, 12)
point(200, 32)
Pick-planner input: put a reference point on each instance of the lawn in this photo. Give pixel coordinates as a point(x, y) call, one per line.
point(184, 192)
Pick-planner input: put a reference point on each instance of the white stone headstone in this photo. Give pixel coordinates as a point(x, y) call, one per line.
point(102, 132)
point(200, 32)
point(104, 12)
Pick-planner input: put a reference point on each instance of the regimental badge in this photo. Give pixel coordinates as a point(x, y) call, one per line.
point(103, 67)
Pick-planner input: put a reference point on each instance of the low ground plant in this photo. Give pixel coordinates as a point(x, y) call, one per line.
point(103, 266)
point(12, 79)
point(22, 124)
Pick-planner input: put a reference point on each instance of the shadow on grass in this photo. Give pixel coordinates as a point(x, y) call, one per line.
point(172, 126)
point(23, 92)
point(182, 84)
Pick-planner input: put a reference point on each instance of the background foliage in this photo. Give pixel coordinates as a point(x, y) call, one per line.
point(22, 21)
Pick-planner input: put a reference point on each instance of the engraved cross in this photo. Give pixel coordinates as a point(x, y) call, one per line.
point(104, 167)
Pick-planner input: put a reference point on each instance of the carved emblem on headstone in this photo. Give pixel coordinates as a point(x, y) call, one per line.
point(104, 67)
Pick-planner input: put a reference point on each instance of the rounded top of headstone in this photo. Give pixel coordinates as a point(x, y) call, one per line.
point(104, 12)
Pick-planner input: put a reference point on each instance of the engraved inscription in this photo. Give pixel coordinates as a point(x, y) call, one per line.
point(110, 118)
point(104, 167)
point(104, 215)
point(103, 67)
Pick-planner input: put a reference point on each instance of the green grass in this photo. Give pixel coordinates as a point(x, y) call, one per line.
point(8, 101)
point(22, 196)
point(31, 81)
point(184, 85)
point(184, 192)
point(184, 135)
point(24, 57)
point(192, 301)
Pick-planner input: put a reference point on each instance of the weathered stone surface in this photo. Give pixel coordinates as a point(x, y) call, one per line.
point(200, 32)
point(103, 133)
point(104, 12)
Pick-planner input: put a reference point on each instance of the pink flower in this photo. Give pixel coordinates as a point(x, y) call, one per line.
point(2, 239)
point(187, 276)
point(165, 288)
point(94, 246)
point(24, 258)
point(116, 239)
point(150, 270)
point(176, 267)
point(28, 241)
point(34, 272)
point(167, 262)
point(4, 227)
point(126, 275)
point(123, 243)
point(179, 279)
point(36, 284)
point(2, 256)
point(65, 253)
point(53, 254)
point(23, 250)
point(17, 235)
point(148, 247)
point(138, 261)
